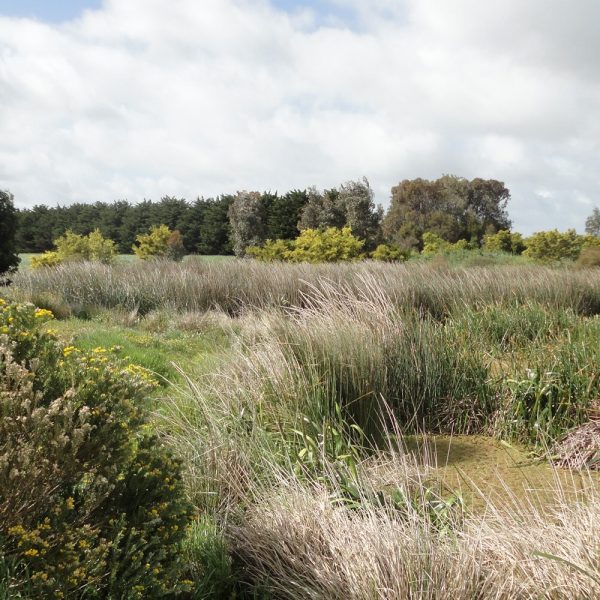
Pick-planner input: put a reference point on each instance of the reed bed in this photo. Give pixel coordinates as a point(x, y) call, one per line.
point(293, 448)
point(238, 284)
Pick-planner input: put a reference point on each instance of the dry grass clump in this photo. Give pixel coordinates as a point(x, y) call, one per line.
point(580, 448)
point(300, 545)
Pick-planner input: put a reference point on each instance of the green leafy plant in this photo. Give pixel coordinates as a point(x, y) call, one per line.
point(272, 250)
point(434, 244)
point(313, 246)
point(504, 241)
point(552, 246)
point(540, 407)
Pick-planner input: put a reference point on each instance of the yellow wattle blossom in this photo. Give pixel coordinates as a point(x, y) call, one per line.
point(69, 350)
point(43, 313)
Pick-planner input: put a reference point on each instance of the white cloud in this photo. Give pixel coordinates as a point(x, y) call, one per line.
point(153, 97)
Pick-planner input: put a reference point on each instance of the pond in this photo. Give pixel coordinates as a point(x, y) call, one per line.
point(482, 467)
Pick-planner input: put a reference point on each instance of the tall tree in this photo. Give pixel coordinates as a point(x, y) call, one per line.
point(592, 223)
point(322, 210)
point(362, 216)
point(451, 207)
point(413, 201)
point(248, 221)
point(351, 205)
point(9, 260)
point(284, 214)
point(214, 231)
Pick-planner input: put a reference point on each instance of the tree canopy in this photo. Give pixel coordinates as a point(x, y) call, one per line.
point(451, 207)
point(9, 260)
point(592, 223)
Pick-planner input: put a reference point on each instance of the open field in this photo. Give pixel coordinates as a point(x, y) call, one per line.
point(361, 431)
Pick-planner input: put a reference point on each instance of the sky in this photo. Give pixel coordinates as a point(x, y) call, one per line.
point(114, 99)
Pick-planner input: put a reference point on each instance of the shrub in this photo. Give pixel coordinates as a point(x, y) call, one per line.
point(74, 247)
point(47, 259)
point(552, 246)
point(159, 242)
point(91, 505)
point(313, 246)
point(589, 257)
point(434, 244)
point(392, 253)
point(331, 245)
point(271, 251)
point(175, 248)
point(591, 241)
point(504, 241)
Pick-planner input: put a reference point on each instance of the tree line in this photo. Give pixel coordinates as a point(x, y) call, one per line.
point(452, 207)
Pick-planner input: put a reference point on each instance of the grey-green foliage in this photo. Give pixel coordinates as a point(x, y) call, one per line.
point(248, 221)
point(362, 216)
point(322, 210)
point(351, 205)
point(592, 223)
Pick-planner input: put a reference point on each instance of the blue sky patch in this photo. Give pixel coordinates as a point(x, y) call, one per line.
point(50, 11)
point(327, 12)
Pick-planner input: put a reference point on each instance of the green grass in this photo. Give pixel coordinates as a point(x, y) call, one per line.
point(162, 351)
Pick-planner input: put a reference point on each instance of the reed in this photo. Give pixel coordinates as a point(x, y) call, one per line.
point(238, 284)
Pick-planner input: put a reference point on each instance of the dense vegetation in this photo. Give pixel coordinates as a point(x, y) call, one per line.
point(293, 436)
point(458, 209)
point(286, 455)
point(9, 260)
point(445, 216)
point(91, 504)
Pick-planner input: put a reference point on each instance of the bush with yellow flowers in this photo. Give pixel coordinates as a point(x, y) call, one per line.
point(91, 504)
point(73, 247)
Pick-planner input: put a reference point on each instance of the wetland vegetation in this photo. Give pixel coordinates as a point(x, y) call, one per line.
point(351, 431)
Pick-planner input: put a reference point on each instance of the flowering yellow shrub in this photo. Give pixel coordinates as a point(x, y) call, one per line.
point(91, 505)
point(312, 246)
point(75, 247)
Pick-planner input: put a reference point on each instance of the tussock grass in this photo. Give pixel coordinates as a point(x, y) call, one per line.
point(303, 546)
point(238, 284)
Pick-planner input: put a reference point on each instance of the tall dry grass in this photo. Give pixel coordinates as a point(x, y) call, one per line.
point(300, 545)
point(238, 284)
